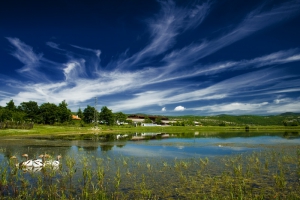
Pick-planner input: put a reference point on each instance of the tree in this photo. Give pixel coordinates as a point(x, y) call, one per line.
point(79, 113)
point(120, 117)
point(88, 114)
point(158, 120)
point(48, 113)
point(11, 106)
point(106, 116)
point(147, 120)
point(63, 112)
point(5, 114)
point(18, 116)
point(31, 109)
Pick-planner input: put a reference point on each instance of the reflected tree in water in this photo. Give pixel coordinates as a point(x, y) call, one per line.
point(106, 147)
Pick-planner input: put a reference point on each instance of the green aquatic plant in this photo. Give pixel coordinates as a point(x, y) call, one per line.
point(100, 173)
point(240, 176)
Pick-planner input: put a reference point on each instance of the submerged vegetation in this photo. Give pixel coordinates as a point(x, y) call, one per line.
point(268, 174)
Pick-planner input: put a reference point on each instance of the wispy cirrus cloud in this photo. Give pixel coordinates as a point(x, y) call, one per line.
point(169, 23)
point(253, 22)
point(81, 88)
point(287, 105)
point(147, 77)
point(277, 58)
point(29, 58)
point(236, 106)
point(54, 45)
point(97, 52)
point(253, 84)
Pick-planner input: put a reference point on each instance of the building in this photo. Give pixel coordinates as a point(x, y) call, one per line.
point(75, 117)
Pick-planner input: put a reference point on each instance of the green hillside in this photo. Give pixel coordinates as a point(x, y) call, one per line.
point(288, 119)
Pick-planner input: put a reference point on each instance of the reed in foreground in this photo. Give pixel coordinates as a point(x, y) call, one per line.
point(268, 174)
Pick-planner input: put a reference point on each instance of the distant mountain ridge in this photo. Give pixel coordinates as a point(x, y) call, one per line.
point(288, 118)
point(290, 113)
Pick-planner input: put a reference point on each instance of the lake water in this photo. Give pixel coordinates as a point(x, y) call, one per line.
point(142, 152)
point(153, 146)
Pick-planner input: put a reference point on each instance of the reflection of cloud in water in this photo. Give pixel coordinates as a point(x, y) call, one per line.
point(273, 140)
point(236, 148)
point(177, 151)
point(140, 152)
point(1, 157)
point(129, 150)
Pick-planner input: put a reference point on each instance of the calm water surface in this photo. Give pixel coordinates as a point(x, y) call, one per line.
point(197, 145)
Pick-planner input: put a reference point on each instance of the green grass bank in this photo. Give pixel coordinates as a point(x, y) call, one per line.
point(44, 130)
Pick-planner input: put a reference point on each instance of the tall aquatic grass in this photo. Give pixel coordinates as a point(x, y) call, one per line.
point(269, 174)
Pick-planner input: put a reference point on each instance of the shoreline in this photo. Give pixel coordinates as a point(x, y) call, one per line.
point(48, 131)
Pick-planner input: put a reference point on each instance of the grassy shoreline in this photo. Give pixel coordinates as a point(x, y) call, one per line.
point(44, 130)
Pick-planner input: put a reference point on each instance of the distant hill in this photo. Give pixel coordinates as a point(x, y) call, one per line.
point(290, 114)
point(288, 118)
point(233, 120)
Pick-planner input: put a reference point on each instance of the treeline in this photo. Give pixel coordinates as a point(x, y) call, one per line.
point(47, 113)
point(28, 113)
point(105, 116)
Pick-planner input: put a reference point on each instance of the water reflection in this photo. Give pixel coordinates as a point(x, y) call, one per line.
point(147, 144)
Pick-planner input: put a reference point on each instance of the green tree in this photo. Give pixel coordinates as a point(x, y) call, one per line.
point(48, 113)
point(107, 116)
point(11, 106)
point(120, 117)
point(31, 110)
point(18, 116)
point(63, 112)
point(79, 113)
point(147, 120)
point(158, 120)
point(5, 115)
point(89, 114)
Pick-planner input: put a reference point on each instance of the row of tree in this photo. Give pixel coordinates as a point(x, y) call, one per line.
point(105, 116)
point(50, 113)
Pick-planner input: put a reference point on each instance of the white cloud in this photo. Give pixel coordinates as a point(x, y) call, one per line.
point(143, 99)
point(252, 23)
point(53, 45)
point(164, 109)
point(78, 87)
point(166, 25)
point(286, 105)
point(82, 84)
point(29, 58)
point(234, 106)
point(282, 100)
point(179, 108)
point(97, 52)
point(290, 106)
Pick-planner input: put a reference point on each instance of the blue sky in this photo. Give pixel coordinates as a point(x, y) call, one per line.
point(154, 57)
